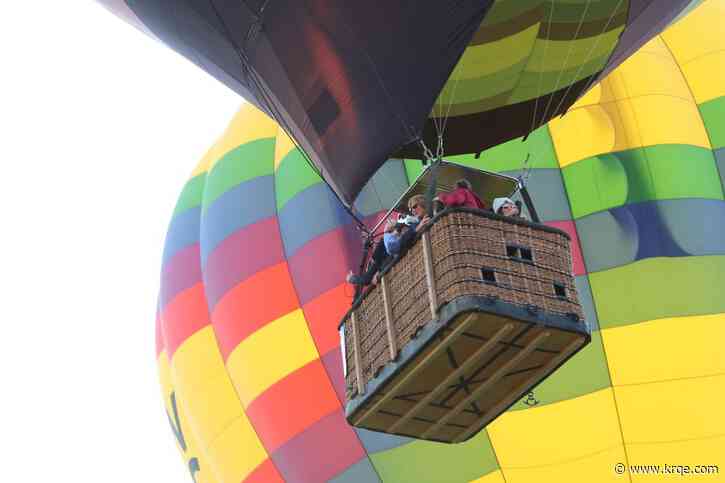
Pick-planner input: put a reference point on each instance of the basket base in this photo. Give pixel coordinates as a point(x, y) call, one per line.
point(463, 371)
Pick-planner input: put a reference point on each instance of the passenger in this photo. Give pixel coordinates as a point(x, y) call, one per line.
point(384, 251)
point(416, 205)
point(463, 196)
point(507, 207)
point(398, 237)
point(393, 237)
point(418, 220)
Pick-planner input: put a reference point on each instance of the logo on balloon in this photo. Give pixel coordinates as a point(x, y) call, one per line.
point(530, 399)
point(175, 423)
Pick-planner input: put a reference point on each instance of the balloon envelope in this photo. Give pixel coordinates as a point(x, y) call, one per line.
point(352, 89)
point(258, 247)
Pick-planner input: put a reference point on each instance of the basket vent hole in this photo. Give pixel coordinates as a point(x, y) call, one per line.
point(488, 275)
point(519, 252)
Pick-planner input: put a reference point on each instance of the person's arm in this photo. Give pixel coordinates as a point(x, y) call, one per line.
point(423, 223)
point(455, 198)
point(479, 202)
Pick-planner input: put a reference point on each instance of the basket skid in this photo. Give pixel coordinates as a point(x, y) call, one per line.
point(455, 378)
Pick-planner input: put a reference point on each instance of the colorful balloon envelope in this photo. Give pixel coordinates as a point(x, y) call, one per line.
point(354, 82)
point(258, 247)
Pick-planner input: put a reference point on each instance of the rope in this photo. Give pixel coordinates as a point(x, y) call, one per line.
point(593, 77)
point(541, 72)
point(440, 121)
point(525, 171)
point(429, 156)
point(432, 184)
point(566, 60)
point(450, 106)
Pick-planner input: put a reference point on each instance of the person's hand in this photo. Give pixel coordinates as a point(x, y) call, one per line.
point(376, 278)
point(389, 225)
point(423, 223)
point(349, 276)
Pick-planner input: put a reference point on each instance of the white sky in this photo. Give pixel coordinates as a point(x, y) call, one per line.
point(100, 127)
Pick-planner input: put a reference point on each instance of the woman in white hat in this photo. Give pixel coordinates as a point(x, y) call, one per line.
point(506, 207)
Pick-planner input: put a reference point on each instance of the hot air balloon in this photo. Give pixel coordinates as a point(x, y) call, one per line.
point(353, 82)
point(253, 289)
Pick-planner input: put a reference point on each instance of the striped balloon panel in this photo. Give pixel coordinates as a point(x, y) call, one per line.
point(529, 61)
point(242, 274)
point(524, 50)
point(641, 177)
point(257, 250)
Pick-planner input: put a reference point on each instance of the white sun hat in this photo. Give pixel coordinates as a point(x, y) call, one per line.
point(499, 202)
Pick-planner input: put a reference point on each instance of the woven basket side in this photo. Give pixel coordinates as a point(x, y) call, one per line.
point(472, 254)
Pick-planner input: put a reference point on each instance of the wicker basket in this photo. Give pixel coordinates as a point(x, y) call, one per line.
point(462, 255)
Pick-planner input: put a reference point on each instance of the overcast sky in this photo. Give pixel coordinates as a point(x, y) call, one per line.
point(100, 127)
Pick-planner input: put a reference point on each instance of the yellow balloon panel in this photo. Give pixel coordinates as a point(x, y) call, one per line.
point(594, 128)
point(665, 120)
point(699, 452)
point(177, 416)
point(198, 359)
point(269, 354)
point(705, 82)
point(236, 452)
point(214, 406)
point(247, 125)
point(675, 353)
point(283, 145)
point(593, 96)
point(698, 44)
point(162, 362)
point(652, 71)
point(648, 74)
point(580, 426)
point(672, 410)
point(595, 468)
point(655, 46)
point(645, 102)
point(212, 400)
point(698, 34)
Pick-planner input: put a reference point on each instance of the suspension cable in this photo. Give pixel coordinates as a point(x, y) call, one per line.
point(541, 71)
point(526, 170)
point(427, 153)
point(451, 100)
point(581, 66)
point(271, 107)
point(566, 60)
